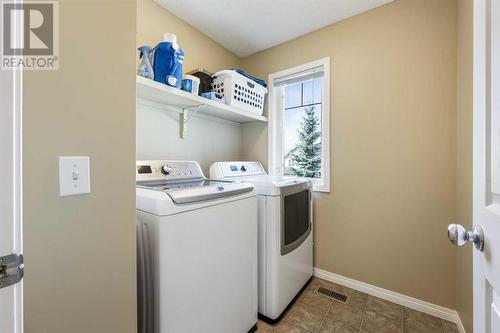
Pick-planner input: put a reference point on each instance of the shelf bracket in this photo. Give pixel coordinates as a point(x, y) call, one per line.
point(185, 117)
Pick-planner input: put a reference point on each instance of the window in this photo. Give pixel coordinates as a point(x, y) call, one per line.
point(299, 123)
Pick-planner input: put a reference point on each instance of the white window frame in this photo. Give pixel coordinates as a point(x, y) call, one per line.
point(275, 123)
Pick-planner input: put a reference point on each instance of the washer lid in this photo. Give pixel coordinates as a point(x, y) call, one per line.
point(197, 190)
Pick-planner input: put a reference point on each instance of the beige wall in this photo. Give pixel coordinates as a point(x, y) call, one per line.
point(393, 127)
point(464, 160)
point(201, 51)
point(158, 131)
point(206, 141)
point(80, 251)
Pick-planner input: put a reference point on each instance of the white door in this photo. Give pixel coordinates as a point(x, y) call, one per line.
point(486, 154)
point(11, 306)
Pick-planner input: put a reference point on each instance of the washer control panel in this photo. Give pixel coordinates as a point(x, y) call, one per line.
point(167, 170)
point(236, 169)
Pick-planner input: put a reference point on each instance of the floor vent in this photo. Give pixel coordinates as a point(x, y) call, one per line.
point(335, 295)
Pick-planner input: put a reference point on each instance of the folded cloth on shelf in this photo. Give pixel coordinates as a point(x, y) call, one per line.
point(259, 81)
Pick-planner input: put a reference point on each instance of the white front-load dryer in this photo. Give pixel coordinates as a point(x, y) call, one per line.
point(285, 238)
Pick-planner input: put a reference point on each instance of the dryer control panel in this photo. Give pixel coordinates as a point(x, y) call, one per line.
point(236, 169)
point(167, 170)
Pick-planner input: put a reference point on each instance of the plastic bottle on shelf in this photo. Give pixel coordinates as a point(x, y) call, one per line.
point(145, 69)
point(168, 58)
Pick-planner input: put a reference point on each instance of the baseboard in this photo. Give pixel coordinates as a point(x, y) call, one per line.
point(409, 302)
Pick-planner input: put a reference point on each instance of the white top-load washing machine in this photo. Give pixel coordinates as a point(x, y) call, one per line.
point(197, 251)
point(285, 233)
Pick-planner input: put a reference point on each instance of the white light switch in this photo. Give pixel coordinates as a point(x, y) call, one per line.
point(74, 175)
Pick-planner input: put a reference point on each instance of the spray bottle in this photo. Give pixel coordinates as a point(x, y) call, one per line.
point(145, 69)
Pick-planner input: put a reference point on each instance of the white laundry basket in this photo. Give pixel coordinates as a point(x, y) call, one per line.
point(239, 91)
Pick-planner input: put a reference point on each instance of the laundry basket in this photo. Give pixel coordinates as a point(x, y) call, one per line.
point(239, 91)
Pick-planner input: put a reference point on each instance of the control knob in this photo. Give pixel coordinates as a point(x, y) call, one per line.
point(166, 170)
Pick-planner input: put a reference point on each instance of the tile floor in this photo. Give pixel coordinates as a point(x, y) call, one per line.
point(313, 313)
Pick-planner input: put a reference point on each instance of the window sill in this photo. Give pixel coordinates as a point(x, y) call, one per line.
point(321, 188)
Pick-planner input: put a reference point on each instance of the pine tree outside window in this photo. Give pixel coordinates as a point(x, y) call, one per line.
point(302, 129)
point(299, 123)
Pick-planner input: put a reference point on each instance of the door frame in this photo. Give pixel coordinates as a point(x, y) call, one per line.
point(14, 105)
point(18, 184)
point(483, 28)
point(479, 104)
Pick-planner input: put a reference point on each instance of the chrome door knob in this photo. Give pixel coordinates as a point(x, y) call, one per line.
point(459, 236)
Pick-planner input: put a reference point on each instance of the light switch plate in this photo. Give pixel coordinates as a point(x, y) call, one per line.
point(74, 175)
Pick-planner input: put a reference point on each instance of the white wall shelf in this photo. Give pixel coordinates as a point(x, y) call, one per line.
point(159, 93)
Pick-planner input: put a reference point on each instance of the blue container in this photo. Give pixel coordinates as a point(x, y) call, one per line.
point(187, 85)
point(167, 62)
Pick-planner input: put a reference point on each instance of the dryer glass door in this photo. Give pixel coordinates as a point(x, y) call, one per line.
point(296, 220)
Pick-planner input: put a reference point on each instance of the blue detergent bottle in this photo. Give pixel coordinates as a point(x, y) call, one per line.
point(167, 62)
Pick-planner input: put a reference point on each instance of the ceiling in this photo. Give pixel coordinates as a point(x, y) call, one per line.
point(249, 26)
